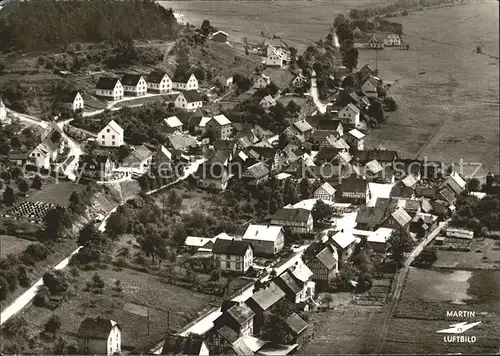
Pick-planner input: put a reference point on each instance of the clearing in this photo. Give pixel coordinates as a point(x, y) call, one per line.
point(447, 94)
point(12, 245)
point(483, 254)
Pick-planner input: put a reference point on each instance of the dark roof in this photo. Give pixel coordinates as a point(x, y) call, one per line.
point(211, 171)
point(402, 191)
point(224, 144)
point(69, 97)
point(296, 323)
point(185, 345)
point(388, 204)
point(241, 313)
point(220, 156)
point(425, 192)
point(353, 185)
point(439, 207)
point(266, 152)
point(106, 83)
point(379, 155)
point(322, 123)
point(95, 328)
point(191, 96)
point(257, 171)
point(371, 216)
point(94, 160)
point(181, 77)
point(156, 76)
point(228, 334)
point(267, 297)
point(131, 79)
point(364, 73)
point(289, 280)
point(322, 134)
point(326, 258)
point(298, 214)
point(231, 247)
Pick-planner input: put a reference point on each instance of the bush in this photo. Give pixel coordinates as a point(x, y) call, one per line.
point(42, 297)
point(53, 325)
point(35, 252)
point(56, 282)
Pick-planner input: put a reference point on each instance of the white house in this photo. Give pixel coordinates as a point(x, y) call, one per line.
point(356, 139)
point(111, 135)
point(225, 80)
point(267, 102)
point(3, 111)
point(188, 100)
point(370, 86)
point(267, 240)
point(159, 81)
point(298, 81)
point(261, 81)
point(134, 84)
point(350, 115)
point(173, 124)
point(99, 336)
point(297, 282)
point(279, 57)
point(344, 241)
point(109, 88)
point(190, 83)
point(74, 100)
point(43, 154)
point(325, 192)
point(139, 160)
point(392, 39)
point(233, 255)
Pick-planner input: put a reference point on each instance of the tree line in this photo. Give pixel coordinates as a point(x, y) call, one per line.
point(37, 25)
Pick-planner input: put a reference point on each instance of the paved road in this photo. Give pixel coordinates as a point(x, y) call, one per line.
point(400, 280)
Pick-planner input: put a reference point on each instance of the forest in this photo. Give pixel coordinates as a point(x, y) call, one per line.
point(49, 24)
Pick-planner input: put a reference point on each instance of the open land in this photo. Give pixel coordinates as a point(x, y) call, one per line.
point(447, 94)
point(298, 22)
point(12, 245)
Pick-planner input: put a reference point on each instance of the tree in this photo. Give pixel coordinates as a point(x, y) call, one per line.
point(4, 290)
point(117, 223)
point(290, 195)
point(23, 186)
point(390, 103)
point(215, 276)
point(8, 196)
point(56, 282)
point(118, 285)
point(473, 185)
point(400, 242)
point(350, 58)
point(321, 211)
point(37, 182)
point(88, 233)
point(376, 110)
point(206, 28)
point(53, 325)
point(42, 297)
point(183, 65)
point(98, 282)
point(305, 188)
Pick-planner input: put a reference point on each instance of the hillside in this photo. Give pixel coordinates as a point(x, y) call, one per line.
point(44, 25)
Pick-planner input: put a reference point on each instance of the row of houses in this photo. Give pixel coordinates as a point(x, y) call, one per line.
point(377, 40)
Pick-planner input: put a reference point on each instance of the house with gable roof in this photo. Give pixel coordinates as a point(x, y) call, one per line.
point(371, 87)
point(134, 84)
point(299, 80)
point(322, 259)
point(99, 336)
point(344, 241)
point(255, 174)
point(74, 100)
point(398, 219)
point(355, 139)
point(298, 220)
point(111, 135)
point(195, 243)
point(260, 81)
point(220, 127)
point(261, 303)
point(350, 114)
point(233, 255)
point(184, 345)
point(225, 79)
point(187, 82)
point(236, 321)
point(325, 192)
point(212, 176)
point(172, 124)
point(189, 100)
point(297, 283)
point(139, 160)
point(267, 102)
point(159, 81)
point(267, 240)
point(110, 88)
point(304, 128)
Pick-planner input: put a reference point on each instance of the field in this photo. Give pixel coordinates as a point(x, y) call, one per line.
point(297, 22)
point(11, 244)
point(128, 307)
point(428, 295)
point(447, 93)
point(57, 193)
point(483, 254)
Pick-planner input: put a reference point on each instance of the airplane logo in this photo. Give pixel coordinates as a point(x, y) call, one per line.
point(459, 328)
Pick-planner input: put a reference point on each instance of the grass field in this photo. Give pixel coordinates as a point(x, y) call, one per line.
point(11, 244)
point(57, 193)
point(428, 295)
point(451, 110)
point(483, 254)
point(297, 22)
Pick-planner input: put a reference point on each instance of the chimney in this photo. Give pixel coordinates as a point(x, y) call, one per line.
point(342, 230)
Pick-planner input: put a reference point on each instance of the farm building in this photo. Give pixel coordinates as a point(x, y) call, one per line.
point(267, 240)
point(99, 336)
point(219, 36)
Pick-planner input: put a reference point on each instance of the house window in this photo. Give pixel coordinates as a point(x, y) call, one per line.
point(86, 350)
point(86, 341)
point(107, 130)
point(228, 264)
point(102, 136)
point(238, 265)
point(113, 143)
point(238, 258)
point(113, 137)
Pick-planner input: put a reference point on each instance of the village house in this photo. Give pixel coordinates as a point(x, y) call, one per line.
point(111, 135)
point(401, 191)
point(297, 283)
point(225, 80)
point(361, 102)
point(355, 139)
point(374, 42)
point(371, 87)
point(194, 244)
point(492, 180)
point(219, 127)
point(382, 156)
point(344, 241)
point(212, 176)
point(261, 81)
point(99, 336)
point(188, 100)
point(325, 123)
point(398, 219)
point(134, 84)
point(377, 240)
point(392, 40)
point(267, 240)
point(353, 190)
point(181, 142)
point(270, 155)
point(172, 124)
point(277, 57)
point(297, 326)
point(455, 182)
point(219, 36)
point(423, 223)
point(188, 82)
point(304, 128)
point(325, 192)
point(322, 259)
point(232, 255)
point(261, 303)
point(44, 154)
point(96, 167)
point(298, 220)
point(255, 174)
point(370, 218)
point(138, 161)
point(184, 345)
point(350, 114)
point(267, 101)
point(74, 100)
point(299, 81)
point(110, 88)
point(159, 81)
point(318, 137)
point(18, 158)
